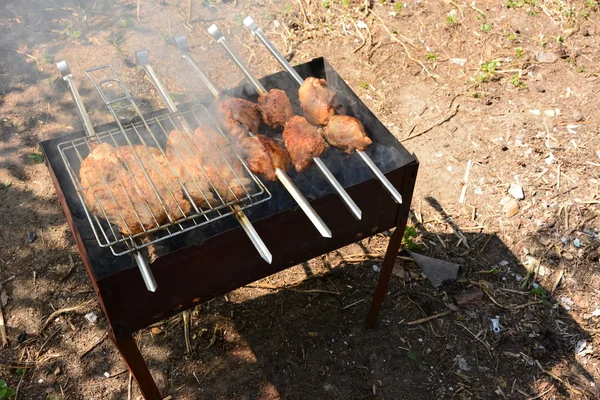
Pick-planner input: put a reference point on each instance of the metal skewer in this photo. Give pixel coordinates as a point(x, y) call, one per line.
point(142, 60)
point(256, 31)
point(184, 48)
point(216, 33)
point(140, 259)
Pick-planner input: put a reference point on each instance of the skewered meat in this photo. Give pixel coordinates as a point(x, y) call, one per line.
point(238, 116)
point(316, 100)
point(276, 108)
point(264, 155)
point(162, 180)
point(111, 192)
point(347, 133)
point(303, 141)
point(222, 165)
point(186, 158)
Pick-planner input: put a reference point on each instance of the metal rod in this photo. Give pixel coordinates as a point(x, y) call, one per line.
point(68, 77)
point(145, 270)
point(303, 203)
point(184, 48)
point(256, 31)
point(377, 172)
point(216, 33)
point(144, 63)
point(283, 177)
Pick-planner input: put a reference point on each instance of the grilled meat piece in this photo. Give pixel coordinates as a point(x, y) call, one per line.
point(223, 167)
point(316, 100)
point(111, 192)
point(162, 181)
point(238, 116)
point(186, 156)
point(346, 133)
point(303, 141)
point(275, 108)
point(264, 155)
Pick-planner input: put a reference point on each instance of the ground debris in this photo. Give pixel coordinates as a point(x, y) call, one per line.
point(470, 299)
point(436, 271)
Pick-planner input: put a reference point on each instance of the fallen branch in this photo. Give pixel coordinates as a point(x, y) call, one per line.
point(434, 316)
point(410, 57)
point(446, 119)
point(94, 345)
point(2, 328)
point(64, 311)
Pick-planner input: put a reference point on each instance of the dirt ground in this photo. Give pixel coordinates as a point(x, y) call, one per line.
point(507, 89)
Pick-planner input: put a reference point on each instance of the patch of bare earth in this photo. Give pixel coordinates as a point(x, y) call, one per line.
point(506, 89)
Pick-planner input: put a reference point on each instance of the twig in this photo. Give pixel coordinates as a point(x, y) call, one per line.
point(410, 57)
point(189, 16)
point(3, 328)
point(129, 386)
point(487, 346)
point(94, 345)
point(434, 316)
point(65, 310)
point(445, 119)
point(292, 289)
point(137, 11)
point(353, 304)
point(19, 384)
point(186, 331)
point(463, 194)
point(206, 373)
point(557, 282)
point(306, 20)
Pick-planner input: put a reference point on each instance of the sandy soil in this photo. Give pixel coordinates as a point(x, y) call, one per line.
point(508, 87)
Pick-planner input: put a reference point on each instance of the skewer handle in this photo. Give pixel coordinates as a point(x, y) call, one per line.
point(184, 48)
point(303, 203)
point(145, 270)
point(256, 31)
point(338, 188)
point(216, 33)
point(254, 237)
point(142, 60)
point(68, 77)
point(379, 175)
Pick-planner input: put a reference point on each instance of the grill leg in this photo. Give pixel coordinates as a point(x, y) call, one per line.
point(136, 365)
point(385, 274)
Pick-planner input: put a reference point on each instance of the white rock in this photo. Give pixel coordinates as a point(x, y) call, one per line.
point(361, 25)
point(91, 317)
point(459, 61)
point(106, 375)
point(516, 191)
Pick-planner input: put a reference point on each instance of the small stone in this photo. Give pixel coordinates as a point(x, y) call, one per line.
point(156, 330)
point(91, 317)
point(376, 268)
point(31, 236)
point(106, 375)
point(516, 191)
point(459, 61)
point(511, 208)
point(577, 243)
point(545, 57)
point(578, 117)
point(57, 371)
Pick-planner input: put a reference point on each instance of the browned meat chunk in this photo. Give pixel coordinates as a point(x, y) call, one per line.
point(222, 165)
point(303, 141)
point(186, 156)
point(276, 108)
point(316, 100)
point(238, 116)
point(264, 155)
point(346, 133)
point(111, 192)
point(163, 189)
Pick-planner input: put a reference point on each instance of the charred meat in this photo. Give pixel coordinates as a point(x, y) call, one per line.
point(116, 188)
point(316, 100)
point(346, 133)
point(238, 116)
point(264, 155)
point(275, 108)
point(303, 141)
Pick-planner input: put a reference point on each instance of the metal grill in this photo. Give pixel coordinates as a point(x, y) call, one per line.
point(153, 166)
